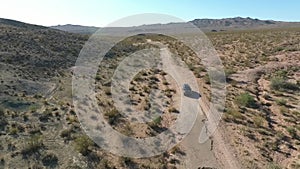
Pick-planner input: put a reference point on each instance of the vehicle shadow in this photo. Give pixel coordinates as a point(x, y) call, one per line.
point(193, 95)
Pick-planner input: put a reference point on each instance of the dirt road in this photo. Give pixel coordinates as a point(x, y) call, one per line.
point(214, 153)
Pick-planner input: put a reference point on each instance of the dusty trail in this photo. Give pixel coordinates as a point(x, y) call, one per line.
point(197, 154)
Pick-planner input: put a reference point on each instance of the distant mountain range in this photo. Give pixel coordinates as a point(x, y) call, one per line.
point(237, 23)
point(203, 24)
point(76, 28)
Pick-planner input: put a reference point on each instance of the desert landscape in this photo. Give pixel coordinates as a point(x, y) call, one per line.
point(40, 128)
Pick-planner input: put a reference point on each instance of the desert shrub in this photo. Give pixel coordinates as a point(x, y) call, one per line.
point(2, 112)
point(107, 91)
point(291, 86)
point(13, 131)
point(105, 164)
point(235, 113)
point(279, 83)
point(258, 121)
point(82, 144)
point(112, 115)
point(138, 78)
point(279, 48)
point(173, 110)
point(127, 130)
point(98, 77)
point(206, 79)
point(292, 131)
point(72, 119)
point(45, 116)
point(127, 161)
point(33, 145)
point(36, 166)
point(3, 120)
point(165, 82)
point(73, 167)
point(246, 100)
point(281, 102)
point(229, 72)
point(50, 160)
point(281, 73)
point(155, 122)
point(273, 166)
point(146, 89)
point(66, 134)
point(283, 110)
point(2, 162)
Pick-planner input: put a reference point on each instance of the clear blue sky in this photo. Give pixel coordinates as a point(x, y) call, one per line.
point(103, 12)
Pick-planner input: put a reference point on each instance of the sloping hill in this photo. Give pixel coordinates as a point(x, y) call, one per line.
point(32, 56)
point(36, 48)
point(14, 23)
point(76, 28)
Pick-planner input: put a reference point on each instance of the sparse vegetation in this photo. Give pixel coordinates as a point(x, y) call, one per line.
point(246, 100)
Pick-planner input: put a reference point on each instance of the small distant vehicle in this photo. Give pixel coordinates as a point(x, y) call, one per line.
point(187, 90)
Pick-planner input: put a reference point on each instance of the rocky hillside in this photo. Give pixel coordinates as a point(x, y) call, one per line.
point(14, 23)
point(36, 48)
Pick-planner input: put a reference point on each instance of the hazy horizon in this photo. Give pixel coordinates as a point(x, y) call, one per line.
point(75, 24)
point(100, 14)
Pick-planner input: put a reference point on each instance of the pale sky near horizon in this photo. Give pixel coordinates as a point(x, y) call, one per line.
point(101, 13)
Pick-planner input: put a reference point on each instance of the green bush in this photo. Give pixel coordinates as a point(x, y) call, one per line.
point(279, 83)
point(82, 144)
point(246, 100)
point(157, 120)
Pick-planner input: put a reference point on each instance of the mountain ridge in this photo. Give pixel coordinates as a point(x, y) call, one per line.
point(204, 24)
